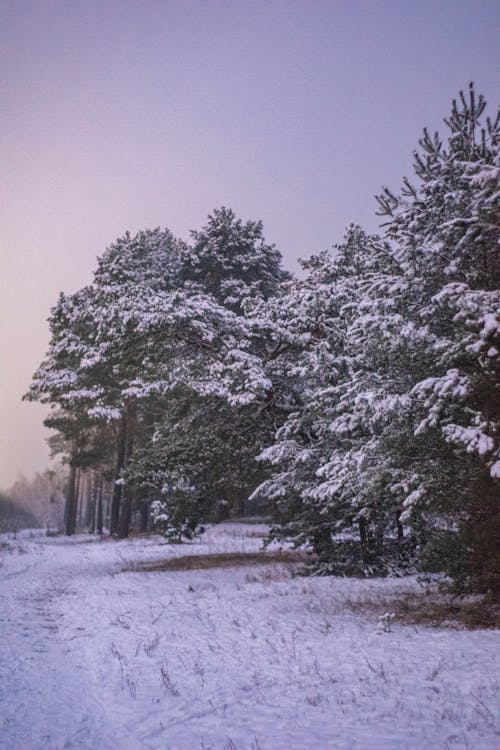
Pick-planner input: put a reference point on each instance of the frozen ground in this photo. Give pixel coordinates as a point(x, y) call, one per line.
point(243, 658)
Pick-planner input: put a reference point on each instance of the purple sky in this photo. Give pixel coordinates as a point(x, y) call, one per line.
point(121, 115)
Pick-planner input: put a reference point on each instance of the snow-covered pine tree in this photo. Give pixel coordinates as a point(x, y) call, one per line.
point(162, 319)
point(132, 271)
point(444, 231)
point(330, 476)
point(231, 260)
point(397, 416)
point(201, 461)
point(93, 360)
point(72, 380)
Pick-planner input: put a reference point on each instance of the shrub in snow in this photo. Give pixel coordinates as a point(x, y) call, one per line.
point(177, 518)
point(385, 620)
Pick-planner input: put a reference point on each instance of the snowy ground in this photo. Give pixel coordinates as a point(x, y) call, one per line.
point(243, 658)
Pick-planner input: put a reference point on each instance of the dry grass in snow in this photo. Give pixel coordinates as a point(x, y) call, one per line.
point(97, 654)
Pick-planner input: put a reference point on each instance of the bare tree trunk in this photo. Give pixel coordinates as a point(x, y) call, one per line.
point(83, 500)
point(77, 496)
point(144, 517)
point(125, 513)
point(99, 514)
point(400, 528)
point(70, 503)
point(91, 502)
point(126, 505)
point(107, 492)
point(363, 535)
point(121, 451)
point(362, 532)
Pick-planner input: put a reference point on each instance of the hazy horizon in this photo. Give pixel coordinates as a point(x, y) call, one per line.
point(125, 115)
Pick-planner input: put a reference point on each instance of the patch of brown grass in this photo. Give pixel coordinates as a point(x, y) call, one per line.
point(254, 534)
point(217, 560)
point(475, 616)
point(432, 609)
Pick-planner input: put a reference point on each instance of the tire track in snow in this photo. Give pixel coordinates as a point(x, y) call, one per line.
point(47, 691)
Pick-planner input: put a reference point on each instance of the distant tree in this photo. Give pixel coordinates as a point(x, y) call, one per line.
point(13, 517)
point(39, 500)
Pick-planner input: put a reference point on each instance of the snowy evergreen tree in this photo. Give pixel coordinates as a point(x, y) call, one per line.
point(72, 382)
point(445, 233)
point(201, 460)
point(332, 476)
point(231, 260)
point(394, 348)
point(123, 348)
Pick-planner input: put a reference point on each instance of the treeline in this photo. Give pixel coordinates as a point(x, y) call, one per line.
point(42, 502)
point(13, 517)
point(34, 503)
point(360, 403)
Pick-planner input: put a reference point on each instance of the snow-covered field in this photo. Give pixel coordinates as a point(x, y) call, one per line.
point(244, 658)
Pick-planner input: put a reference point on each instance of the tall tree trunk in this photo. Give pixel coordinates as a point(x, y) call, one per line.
point(70, 503)
point(125, 513)
point(144, 516)
point(107, 494)
point(400, 528)
point(75, 503)
point(126, 504)
point(241, 507)
point(121, 450)
point(91, 502)
point(99, 514)
point(82, 500)
point(322, 541)
point(363, 536)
